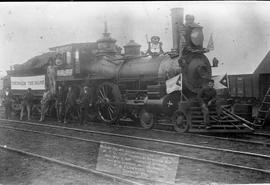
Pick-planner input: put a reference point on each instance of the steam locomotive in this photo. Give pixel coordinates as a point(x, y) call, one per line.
point(133, 84)
point(136, 84)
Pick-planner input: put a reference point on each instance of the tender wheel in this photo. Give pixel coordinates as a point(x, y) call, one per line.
point(16, 106)
point(36, 109)
point(108, 102)
point(134, 117)
point(180, 122)
point(146, 119)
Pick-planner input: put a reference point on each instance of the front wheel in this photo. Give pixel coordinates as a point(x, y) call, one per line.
point(180, 122)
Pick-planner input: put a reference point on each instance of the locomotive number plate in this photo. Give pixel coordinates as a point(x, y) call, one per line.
point(138, 163)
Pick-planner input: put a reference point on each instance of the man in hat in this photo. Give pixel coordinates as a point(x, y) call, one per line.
point(155, 46)
point(26, 103)
point(207, 97)
point(59, 102)
point(7, 101)
point(70, 102)
point(85, 104)
point(190, 25)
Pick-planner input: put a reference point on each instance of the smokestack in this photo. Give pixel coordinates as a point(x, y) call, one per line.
point(177, 24)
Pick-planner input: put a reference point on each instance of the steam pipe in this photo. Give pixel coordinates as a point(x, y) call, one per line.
point(177, 15)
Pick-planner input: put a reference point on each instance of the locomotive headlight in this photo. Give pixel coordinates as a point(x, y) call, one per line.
point(197, 36)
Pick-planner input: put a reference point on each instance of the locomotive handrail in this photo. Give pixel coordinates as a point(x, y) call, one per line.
point(130, 57)
point(183, 95)
point(111, 61)
point(135, 90)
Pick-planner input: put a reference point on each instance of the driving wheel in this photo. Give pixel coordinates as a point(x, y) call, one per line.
point(108, 102)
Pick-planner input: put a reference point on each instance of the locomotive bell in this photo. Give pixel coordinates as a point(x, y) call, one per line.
point(132, 49)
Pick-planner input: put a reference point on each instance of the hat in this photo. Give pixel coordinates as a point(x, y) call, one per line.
point(155, 38)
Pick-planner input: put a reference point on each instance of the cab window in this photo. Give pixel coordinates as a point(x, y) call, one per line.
point(68, 58)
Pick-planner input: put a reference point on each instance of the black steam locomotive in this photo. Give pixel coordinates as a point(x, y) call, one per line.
point(134, 84)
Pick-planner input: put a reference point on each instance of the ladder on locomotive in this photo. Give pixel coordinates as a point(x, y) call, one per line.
point(227, 122)
point(264, 109)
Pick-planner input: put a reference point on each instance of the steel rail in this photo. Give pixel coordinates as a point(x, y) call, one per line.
point(149, 139)
point(207, 136)
point(147, 150)
point(70, 165)
point(261, 134)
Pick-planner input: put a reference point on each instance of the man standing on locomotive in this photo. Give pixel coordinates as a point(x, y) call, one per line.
point(69, 103)
point(85, 104)
point(59, 102)
point(27, 103)
point(51, 73)
point(207, 98)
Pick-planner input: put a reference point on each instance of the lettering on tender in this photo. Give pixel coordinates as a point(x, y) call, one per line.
point(25, 82)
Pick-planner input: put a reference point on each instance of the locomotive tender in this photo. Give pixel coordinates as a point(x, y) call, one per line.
point(132, 84)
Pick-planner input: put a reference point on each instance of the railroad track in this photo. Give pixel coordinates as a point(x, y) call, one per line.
point(251, 138)
point(245, 138)
point(21, 127)
point(265, 141)
point(153, 139)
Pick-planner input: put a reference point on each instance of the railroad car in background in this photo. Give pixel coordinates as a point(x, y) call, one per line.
point(247, 91)
point(244, 94)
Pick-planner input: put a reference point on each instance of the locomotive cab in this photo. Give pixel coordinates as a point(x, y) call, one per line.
point(71, 59)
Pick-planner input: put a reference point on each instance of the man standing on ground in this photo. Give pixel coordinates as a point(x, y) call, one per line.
point(85, 104)
point(27, 102)
point(69, 103)
point(7, 100)
point(59, 102)
point(47, 95)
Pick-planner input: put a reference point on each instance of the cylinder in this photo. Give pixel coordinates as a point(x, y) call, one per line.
point(177, 15)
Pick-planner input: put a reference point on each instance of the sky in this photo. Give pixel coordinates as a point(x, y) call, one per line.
point(241, 30)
